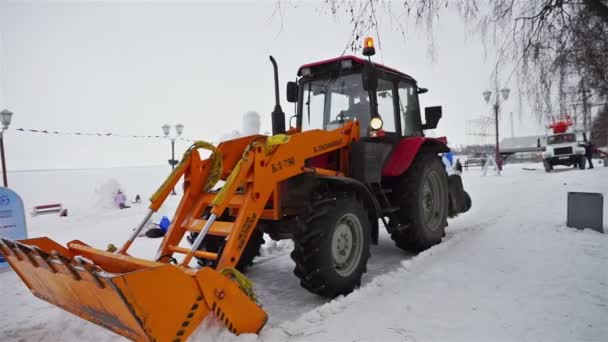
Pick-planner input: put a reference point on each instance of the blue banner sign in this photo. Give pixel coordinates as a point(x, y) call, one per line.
point(12, 218)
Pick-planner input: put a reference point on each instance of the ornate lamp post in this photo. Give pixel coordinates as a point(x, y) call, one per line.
point(5, 119)
point(179, 129)
point(487, 95)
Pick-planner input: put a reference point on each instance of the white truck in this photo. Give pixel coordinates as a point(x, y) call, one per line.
point(563, 149)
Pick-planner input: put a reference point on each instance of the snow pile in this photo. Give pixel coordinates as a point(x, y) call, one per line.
point(272, 248)
point(105, 192)
point(507, 270)
point(510, 270)
point(454, 293)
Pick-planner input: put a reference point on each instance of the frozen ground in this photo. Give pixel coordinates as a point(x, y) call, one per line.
point(508, 270)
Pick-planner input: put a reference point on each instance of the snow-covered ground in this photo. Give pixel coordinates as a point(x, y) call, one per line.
point(509, 269)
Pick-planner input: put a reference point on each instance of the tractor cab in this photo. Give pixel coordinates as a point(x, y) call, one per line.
point(384, 101)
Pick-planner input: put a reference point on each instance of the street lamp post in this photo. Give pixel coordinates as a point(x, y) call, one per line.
point(179, 129)
point(5, 119)
point(487, 95)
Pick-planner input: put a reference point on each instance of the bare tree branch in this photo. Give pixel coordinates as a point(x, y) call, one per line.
point(553, 44)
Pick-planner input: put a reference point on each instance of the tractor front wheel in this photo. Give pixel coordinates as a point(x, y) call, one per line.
point(423, 201)
point(332, 248)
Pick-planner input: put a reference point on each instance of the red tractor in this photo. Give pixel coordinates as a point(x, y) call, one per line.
point(357, 155)
point(387, 170)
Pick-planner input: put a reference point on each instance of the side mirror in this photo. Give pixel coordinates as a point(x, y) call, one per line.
point(432, 116)
point(292, 92)
point(369, 77)
point(422, 90)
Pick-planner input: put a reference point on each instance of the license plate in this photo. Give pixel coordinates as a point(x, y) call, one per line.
point(564, 157)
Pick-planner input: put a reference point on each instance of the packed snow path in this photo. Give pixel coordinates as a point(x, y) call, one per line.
point(508, 270)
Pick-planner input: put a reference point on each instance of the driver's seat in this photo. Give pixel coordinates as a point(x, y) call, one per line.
point(360, 111)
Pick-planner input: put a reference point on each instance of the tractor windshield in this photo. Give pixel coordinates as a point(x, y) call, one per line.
point(326, 103)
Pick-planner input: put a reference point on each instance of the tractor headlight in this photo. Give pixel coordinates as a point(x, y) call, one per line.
point(376, 123)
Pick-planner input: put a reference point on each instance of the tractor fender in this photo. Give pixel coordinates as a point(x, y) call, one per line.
point(406, 151)
point(370, 202)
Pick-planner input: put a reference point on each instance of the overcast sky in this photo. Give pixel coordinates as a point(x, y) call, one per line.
point(130, 68)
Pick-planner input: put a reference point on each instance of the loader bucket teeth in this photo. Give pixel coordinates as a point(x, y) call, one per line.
point(148, 301)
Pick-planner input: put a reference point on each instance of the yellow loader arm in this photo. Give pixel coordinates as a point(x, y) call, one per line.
point(158, 301)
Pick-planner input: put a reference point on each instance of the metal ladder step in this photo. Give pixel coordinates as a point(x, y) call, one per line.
point(219, 228)
point(200, 254)
point(234, 201)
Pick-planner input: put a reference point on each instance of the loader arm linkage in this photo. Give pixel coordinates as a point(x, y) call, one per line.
point(158, 301)
point(257, 173)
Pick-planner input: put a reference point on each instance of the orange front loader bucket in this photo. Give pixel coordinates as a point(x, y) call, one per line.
point(139, 299)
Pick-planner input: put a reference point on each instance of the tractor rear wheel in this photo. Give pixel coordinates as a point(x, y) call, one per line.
point(423, 201)
point(332, 247)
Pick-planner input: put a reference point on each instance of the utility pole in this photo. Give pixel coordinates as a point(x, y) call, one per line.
point(585, 106)
point(562, 93)
point(575, 117)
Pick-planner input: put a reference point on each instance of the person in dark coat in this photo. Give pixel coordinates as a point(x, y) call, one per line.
point(458, 166)
point(589, 147)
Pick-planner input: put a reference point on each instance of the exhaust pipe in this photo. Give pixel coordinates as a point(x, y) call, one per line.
point(278, 116)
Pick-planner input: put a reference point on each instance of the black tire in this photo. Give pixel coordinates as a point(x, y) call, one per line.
point(251, 251)
point(423, 201)
point(547, 165)
point(581, 163)
point(215, 244)
point(326, 263)
point(155, 233)
point(468, 202)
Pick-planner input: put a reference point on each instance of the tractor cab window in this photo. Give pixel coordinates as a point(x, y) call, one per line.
point(330, 102)
point(409, 109)
point(386, 109)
